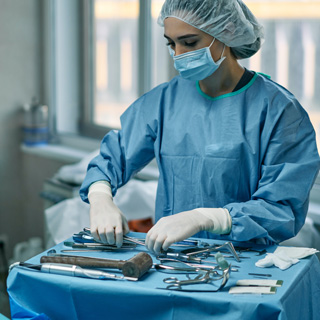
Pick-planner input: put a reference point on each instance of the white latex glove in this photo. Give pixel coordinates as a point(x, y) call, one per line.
point(107, 222)
point(183, 225)
point(283, 262)
point(285, 257)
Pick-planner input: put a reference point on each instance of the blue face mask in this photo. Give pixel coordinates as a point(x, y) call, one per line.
point(196, 65)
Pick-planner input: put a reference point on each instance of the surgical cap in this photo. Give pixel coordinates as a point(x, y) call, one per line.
point(230, 21)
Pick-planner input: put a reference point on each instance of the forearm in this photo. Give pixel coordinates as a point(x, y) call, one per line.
point(261, 219)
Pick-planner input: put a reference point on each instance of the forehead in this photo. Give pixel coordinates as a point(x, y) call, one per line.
point(174, 27)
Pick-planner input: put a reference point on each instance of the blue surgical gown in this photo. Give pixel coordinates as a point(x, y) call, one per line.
point(252, 152)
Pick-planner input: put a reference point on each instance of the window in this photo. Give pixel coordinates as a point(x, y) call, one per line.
point(123, 63)
point(128, 56)
point(116, 53)
point(291, 51)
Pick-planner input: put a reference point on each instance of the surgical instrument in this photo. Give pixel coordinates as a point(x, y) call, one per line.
point(173, 266)
point(227, 245)
point(181, 257)
point(201, 278)
point(249, 249)
point(260, 274)
point(85, 250)
point(178, 263)
point(86, 235)
point(99, 246)
point(135, 267)
point(134, 240)
point(72, 270)
point(184, 243)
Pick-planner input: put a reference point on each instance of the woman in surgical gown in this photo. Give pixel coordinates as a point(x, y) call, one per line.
point(236, 152)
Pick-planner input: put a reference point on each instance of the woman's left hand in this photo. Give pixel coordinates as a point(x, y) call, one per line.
point(176, 228)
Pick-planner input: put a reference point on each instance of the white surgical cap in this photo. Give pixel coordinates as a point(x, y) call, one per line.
point(230, 21)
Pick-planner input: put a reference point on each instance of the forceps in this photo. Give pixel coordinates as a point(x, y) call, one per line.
point(86, 237)
point(202, 277)
point(86, 234)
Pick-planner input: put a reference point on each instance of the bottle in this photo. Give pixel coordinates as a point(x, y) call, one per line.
point(35, 124)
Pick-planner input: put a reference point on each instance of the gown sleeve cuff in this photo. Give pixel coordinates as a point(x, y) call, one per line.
point(221, 219)
point(101, 186)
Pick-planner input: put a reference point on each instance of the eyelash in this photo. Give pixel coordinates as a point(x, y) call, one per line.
point(191, 44)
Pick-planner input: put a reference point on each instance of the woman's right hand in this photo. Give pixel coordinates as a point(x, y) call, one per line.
point(107, 223)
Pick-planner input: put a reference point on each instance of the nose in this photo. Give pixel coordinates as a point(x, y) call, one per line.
point(179, 50)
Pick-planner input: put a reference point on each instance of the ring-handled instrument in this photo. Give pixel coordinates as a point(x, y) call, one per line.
point(134, 267)
point(175, 266)
point(203, 277)
point(183, 243)
point(185, 258)
point(169, 265)
point(85, 236)
point(181, 257)
point(212, 248)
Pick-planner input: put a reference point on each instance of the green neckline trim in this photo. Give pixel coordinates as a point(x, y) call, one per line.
point(227, 94)
point(265, 75)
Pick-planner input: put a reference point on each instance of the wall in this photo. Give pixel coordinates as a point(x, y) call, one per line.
point(21, 78)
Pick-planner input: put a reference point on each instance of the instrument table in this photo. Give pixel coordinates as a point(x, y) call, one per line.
point(37, 295)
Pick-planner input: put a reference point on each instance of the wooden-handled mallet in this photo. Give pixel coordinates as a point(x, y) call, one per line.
point(134, 267)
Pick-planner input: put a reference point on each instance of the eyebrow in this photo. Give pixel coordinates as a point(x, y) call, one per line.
point(183, 37)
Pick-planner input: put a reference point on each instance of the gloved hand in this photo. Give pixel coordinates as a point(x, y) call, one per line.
point(183, 225)
point(107, 222)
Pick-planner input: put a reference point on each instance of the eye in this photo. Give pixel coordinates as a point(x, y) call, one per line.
point(191, 44)
point(171, 44)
